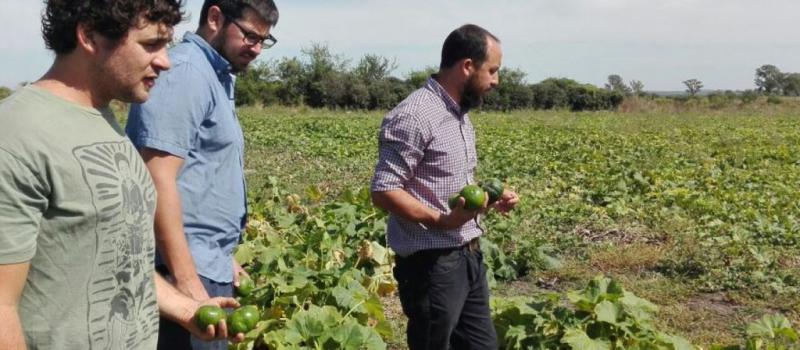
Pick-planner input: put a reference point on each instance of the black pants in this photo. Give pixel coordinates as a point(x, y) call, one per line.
point(445, 295)
point(171, 336)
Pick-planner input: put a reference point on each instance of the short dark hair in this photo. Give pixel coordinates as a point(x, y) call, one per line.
point(110, 18)
point(468, 41)
point(235, 9)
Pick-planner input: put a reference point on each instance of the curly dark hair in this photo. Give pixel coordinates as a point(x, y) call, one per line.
point(110, 18)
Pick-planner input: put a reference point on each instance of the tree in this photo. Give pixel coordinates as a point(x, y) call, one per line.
point(615, 83)
point(567, 93)
point(4, 92)
point(374, 68)
point(293, 77)
point(587, 97)
point(552, 93)
point(769, 79)
point(383, 90)
point(512, 93)
point(693, 86)
point(637, 87)
point(387, 93)
point(257, 85)
point(324, 76)
point(418, 78)
point(791, 84)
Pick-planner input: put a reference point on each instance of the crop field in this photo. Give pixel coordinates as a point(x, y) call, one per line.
point(648, 230)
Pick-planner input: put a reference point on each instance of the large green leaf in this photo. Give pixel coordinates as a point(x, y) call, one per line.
point(678, 343)
point(349, 336)
point(772, 327)
point(245, 253)
point(640, 309)
point(608, 312)
point(578, 340)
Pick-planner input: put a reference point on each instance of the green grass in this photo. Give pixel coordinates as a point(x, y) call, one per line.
point(697, 212)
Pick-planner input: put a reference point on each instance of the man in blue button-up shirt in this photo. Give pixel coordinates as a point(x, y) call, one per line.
point(192, 143)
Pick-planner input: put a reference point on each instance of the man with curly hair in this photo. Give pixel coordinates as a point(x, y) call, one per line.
point(76, 201)
point(190, 138)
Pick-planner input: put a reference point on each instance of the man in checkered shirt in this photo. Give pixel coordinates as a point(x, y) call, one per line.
point(426, 153)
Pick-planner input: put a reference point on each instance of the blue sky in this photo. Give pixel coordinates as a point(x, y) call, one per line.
point(720, 42)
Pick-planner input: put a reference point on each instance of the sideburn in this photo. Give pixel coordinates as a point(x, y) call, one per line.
point(471, 96)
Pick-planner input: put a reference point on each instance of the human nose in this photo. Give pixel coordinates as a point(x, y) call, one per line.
point(256, 48)
point(161, 61)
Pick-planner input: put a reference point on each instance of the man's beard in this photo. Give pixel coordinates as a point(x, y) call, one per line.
point(219, 46)
point(471, 97)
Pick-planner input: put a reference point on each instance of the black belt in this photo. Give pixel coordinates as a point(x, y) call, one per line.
point(474, 245)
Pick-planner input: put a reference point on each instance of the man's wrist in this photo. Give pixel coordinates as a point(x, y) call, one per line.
point(436, 220)
point(186, 278)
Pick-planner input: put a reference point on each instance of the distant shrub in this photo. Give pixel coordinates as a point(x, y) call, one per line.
point(567, 93)
point(749, 96)
point(720, 100)
point(774, 100)
point(4, 92)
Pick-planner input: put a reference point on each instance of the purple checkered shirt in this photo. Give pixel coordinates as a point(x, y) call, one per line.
point(427, 148)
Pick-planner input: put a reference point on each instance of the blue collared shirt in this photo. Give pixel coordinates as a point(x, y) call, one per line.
point(190, 114)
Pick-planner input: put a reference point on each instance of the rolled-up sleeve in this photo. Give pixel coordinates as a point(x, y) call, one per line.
point(401, 146)
point(167, 122)
point(23, 200)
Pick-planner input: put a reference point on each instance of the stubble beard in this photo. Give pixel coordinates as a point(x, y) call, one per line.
point(219, 46)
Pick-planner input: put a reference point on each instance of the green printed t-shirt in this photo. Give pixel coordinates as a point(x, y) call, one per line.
point(77, 203)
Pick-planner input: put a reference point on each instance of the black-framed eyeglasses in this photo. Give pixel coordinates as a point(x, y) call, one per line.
point(252, 39)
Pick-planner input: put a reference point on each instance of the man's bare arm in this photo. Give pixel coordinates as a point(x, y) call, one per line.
point(170, 236)
point(401, 203)
point(13, 277)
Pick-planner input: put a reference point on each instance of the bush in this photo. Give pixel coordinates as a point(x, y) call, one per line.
point(718, 100)
point(749, 96)
point(774, 100)
point(417, 79)
point(293, 81)
point(258, 85)
point(512, 93)
point(388, 92)
point(601, 316)
point(552, 93)
point(567, 93)
point(4, 92)
point(590, 98)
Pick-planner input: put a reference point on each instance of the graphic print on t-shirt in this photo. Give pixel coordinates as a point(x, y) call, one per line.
point(122, 308)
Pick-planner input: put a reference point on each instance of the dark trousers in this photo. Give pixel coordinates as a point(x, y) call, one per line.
point(445, 295)
point(171, 336)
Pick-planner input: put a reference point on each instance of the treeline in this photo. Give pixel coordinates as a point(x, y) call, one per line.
point(321, 79)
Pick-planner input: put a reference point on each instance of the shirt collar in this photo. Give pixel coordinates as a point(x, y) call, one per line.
point(220, 64)
point(451, 104)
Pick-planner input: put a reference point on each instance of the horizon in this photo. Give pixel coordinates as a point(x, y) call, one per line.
point(719, 42)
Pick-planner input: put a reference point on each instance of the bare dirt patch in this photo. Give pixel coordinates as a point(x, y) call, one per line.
point(618, 235)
